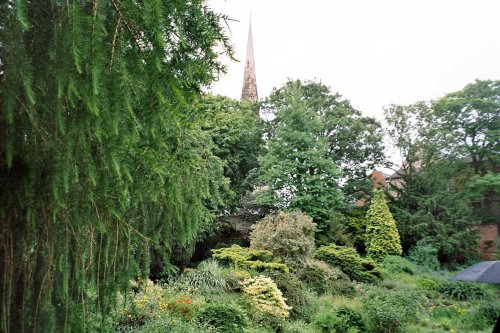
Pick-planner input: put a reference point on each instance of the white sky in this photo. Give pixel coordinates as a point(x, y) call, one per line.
point(373, 52)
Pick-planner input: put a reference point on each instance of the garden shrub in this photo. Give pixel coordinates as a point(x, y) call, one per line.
point(356, 226)
point(397, 264)
point(182, 308)
point(350, 262)
point(428, 284)
point(226, 318)
point(208, 275)
point(462, 291)
point(166, 323)
point(296, 294)
point(318, 275)
point(259, 260)
point(340, 320)
point(424, 255)
point(388, 311)
point(289, 236)
point(481, 317)
point(147, 300)
point(382, 237)
point(343, 288)
point(266, 297)
point(298, 327)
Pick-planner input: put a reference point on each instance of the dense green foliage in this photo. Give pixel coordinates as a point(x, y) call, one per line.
point(388, 311)
point(406, 303)
point(466, 123)
point(451, 150)
point(289, 236)
point(310, 148)
point(226, 318)
point(102, 156)
point(424, 255)
point(319, 276)
point(427, 210)
point(397, 264)
point(382, 237)
point(354, 142)
point(236, 131)
point(296, 170)
point(350, 262)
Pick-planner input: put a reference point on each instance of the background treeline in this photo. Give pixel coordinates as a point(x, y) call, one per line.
point(114, 164)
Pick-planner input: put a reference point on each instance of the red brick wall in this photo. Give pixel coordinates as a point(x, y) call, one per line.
point(488, 243)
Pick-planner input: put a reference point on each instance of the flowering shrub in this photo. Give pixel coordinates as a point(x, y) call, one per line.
point(147, 300)
point(266, 297)
point(181, 307)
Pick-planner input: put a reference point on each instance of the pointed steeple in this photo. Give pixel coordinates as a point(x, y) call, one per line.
point(249, 91)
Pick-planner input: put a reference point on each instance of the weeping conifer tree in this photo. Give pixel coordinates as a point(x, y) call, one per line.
point(101, 155)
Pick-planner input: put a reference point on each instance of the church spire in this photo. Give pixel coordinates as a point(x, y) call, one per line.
point(249, 91)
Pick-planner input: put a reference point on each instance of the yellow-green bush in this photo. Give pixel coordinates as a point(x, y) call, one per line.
point(382, 237)
point(266, 297)
point(350, 262)
point(147, 300)
point(259, 260)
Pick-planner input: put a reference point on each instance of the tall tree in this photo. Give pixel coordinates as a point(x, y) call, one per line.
point(466, 124)
point(236, 131)
point(296, 169)
point(101, 153)
point(354, 142)
point(427, 208)
point(432, 200)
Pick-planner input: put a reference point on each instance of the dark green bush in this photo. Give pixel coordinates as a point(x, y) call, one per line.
point(341, 320)
point(168, 324)
point(482, 316)
point(226, 318)
point(350, 262)
point(397, 264)
point(462, 291)
point(318, 275)
point(349, 318)
point(343, 287)
point(424, 255)
point(388, 311)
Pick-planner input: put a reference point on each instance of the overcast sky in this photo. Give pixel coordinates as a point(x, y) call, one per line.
point(373, 52)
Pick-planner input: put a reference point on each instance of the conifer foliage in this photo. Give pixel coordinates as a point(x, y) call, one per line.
point(382, 237)
point(101, 154)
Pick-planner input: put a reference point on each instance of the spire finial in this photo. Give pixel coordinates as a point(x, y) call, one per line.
point(249, 91)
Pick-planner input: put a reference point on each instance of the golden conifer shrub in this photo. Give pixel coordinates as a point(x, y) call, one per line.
point(266, 296)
